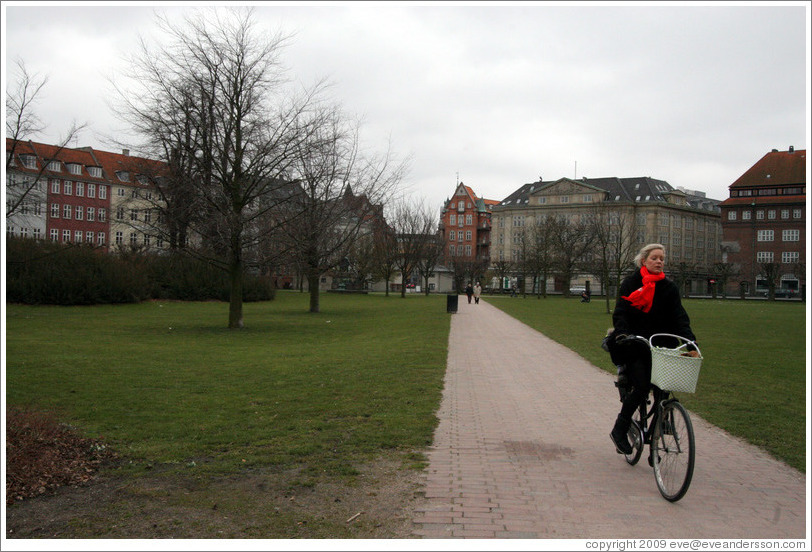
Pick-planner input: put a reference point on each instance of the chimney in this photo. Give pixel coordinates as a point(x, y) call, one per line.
point(125, 152)
point(791, 149)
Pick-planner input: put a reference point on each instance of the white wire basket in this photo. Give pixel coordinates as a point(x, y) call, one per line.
point(670, 370)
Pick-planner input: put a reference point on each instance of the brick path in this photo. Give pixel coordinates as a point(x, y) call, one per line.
point(522, 450)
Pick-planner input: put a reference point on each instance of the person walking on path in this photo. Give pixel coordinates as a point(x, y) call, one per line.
point(469, 291)
point(477, 292)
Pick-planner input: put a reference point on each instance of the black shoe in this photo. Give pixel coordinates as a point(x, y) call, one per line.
point(621, 444)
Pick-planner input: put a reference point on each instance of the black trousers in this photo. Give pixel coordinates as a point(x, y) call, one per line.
point(638, 370)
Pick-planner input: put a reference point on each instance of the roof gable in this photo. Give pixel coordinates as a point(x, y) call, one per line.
point(776, 168)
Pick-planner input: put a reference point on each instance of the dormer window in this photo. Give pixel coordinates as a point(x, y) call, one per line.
point(124, 176)
point(95, 172)
point(74, 168)
point(55, 166)
point(29, 161)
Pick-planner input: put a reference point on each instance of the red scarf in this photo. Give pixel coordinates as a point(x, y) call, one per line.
point(643, 297)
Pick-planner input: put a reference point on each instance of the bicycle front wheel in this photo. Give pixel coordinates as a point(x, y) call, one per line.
point(673, 451)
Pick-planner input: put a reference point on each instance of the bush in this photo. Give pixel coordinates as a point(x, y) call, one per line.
point(43, 272)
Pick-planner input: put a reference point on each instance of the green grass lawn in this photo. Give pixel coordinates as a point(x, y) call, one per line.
point(753, 377)
point(166, 382)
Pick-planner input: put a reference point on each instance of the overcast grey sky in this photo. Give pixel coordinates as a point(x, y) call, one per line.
point(494, 95)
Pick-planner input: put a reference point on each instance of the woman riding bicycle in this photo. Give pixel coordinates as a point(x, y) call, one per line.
point(648, 303)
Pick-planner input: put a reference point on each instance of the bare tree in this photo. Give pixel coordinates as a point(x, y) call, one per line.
point(542, 254)
point(571, 240)
point(770, 272)
point(209, 102)
point(415, 228)
point(343, 192)
point(431, 244)
point(430, 259)
point(502, 269)
point(613, 232)
point(385, 253)
point(23, 124)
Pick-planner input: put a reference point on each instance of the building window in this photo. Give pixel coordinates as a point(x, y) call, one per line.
point(74, 168)
point(80, 189)
point(29, 161)
point(102, 215)
point(54, 186)
point(55, 166)
point(119, 238)
point(124, 176)
point(452, 219)
point(784, 214)
point(746, 215)
point(147, 215)
point(467, 235)
point(100, 237)
point(788, 257)
point(95, 172)
point(760, 214)
point(91, 190)
point(469, 219)
point(452, 236)
point(120, 192)
point(54, 234)
point(66, 235)
point(791, 235)
point(565, 199)
point(542, 200)
point(120, 213)
point(133, 214)
point(771, 214)
point(731, 215)
point(133, 238)
point(587, 198)
point(796, 213)
point(452, 249)
point(77, 236)
point(102, 192)
point(765, 235)
point(67, 188)
point(764, 257)
point(80, 212)
point(91, 214)
point(66, 212)
point(54, 210)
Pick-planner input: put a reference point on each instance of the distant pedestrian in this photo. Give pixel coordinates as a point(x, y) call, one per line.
point(477, 292)
point(469, 291)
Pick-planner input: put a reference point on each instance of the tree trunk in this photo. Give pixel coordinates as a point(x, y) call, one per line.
point(313, 284)
point(403, 286)
point(235, 304)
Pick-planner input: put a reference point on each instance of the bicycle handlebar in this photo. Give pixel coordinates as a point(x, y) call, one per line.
point(683, 342)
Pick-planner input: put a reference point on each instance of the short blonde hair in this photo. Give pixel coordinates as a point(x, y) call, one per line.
point(645, 252)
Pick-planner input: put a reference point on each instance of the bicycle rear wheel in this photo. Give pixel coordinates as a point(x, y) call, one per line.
point(673, 451)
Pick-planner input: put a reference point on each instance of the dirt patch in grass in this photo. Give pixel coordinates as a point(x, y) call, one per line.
point(99, 501)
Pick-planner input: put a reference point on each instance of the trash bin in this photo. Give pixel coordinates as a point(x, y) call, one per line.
point(451, 303)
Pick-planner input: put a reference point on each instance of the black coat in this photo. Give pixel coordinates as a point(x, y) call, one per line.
point(667, 314)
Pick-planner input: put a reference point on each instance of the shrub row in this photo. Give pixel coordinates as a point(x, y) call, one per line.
point(49, 273)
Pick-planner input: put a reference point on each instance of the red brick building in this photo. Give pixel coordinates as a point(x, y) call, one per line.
point(70, 198)
point(465, 222)
point(764, 226)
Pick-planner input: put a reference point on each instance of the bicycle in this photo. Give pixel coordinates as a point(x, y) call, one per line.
point(666, 426)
